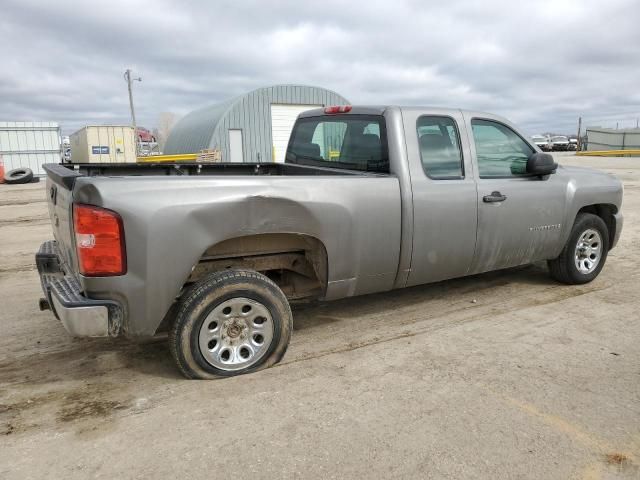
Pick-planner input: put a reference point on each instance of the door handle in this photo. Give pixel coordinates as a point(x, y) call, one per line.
point(494, 197)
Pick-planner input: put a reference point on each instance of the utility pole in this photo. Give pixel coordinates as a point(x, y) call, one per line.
point(127, 77)
point(579, 147)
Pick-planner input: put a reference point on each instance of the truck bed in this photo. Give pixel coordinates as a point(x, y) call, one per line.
point(66, 173)
point(175, 213)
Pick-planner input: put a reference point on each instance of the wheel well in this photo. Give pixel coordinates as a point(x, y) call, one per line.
point(605, 211)
point(296, 263)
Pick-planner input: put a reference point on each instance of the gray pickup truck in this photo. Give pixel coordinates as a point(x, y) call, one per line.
point(369, 199)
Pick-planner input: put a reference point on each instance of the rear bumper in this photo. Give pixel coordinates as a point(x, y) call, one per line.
point(80, 316)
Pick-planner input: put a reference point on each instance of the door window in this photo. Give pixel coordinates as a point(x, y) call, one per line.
point(500, 151)
point(440, 148)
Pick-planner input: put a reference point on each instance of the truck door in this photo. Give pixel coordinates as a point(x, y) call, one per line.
point(444, 195)
point(519, 216)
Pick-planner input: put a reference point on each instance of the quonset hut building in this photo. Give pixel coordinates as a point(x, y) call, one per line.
point(254, 127)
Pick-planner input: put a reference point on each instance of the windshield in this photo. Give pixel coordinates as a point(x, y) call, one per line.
point(539, 139)
point(351, 142)
point(559, 139)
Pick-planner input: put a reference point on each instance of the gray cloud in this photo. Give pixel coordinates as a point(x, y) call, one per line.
point(542, 64)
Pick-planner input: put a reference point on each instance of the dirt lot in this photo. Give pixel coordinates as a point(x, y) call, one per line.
point(503, 375)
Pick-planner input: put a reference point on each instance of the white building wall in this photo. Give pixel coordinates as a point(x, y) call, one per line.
point(29, 145)
point(282, 119)
point(613, 139)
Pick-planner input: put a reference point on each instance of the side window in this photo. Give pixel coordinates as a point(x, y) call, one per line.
point(500, 151)
point(440, 151)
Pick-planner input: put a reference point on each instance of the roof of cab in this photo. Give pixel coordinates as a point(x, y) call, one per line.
point(355, 109)
point(380, 110)
point(435, 111)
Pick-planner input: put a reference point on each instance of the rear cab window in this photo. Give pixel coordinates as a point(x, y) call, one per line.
point(350, 142)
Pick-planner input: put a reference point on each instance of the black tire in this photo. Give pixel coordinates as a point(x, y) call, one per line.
point(202, 299)
point(18, 175)
point(564, 267)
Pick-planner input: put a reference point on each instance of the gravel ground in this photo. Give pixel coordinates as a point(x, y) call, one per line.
point(501, 375)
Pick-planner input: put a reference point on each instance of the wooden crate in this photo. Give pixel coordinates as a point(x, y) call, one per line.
point(211, 155)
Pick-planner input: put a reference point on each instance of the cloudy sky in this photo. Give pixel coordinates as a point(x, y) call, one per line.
point(540, 63)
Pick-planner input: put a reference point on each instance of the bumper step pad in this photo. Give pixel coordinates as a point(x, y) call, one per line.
point(65, 296)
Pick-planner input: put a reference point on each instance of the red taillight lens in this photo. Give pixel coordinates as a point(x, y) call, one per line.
point(99, 241)
point(337, 109)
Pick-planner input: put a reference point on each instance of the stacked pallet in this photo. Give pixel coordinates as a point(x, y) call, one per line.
point(211, 155)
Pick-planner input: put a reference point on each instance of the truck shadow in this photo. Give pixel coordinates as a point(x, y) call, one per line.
point(109, 359)
point(317, 314)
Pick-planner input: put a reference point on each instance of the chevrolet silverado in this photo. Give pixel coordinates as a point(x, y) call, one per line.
point(369, 199)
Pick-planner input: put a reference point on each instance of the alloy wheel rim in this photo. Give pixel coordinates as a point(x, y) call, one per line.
point(588, 251)
point(236, 334)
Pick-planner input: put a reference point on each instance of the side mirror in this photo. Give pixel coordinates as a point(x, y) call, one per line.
point(541, 164)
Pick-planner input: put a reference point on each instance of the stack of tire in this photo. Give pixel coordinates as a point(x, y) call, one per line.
point(20, 175)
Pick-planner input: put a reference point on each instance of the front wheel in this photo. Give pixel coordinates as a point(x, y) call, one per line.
point(229, 323)
point(584, 254)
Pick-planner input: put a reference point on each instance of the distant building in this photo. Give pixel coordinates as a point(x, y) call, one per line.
point(612, 139)
point(29, 145)
point(254, 127)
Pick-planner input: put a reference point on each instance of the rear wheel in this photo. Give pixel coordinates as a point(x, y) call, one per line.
point(229, 323)
point(584, 254)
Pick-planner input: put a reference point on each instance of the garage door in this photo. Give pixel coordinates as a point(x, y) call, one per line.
point(282, 119)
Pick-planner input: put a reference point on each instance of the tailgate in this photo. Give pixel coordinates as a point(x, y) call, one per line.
point(59, 191)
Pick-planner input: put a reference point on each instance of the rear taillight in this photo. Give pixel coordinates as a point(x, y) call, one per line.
point(337, 109)
point(99, 241)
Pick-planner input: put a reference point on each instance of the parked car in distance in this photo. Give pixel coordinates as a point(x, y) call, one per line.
point(559, 143)
point(542, 142)
point(65, 149)
point(144, 135)
point(369, 199)
point(148, 149)
point(573, 144)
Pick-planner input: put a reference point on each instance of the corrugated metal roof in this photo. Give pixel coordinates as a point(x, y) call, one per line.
point(194, 131)
point(613, 130)
point(208, 127)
